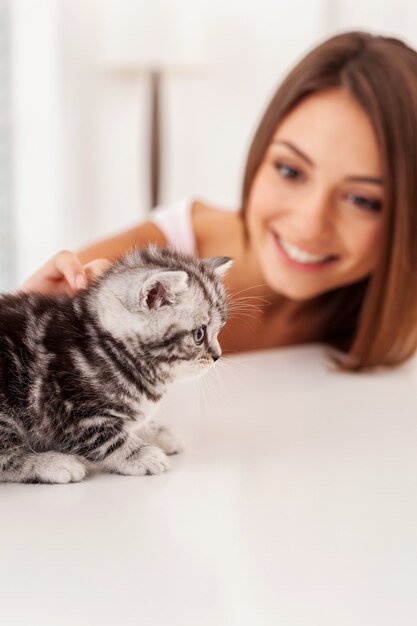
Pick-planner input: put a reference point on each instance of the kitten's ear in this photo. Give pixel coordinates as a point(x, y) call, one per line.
point(220, 264)
point(161, 288)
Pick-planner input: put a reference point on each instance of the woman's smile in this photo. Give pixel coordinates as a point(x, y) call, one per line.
point(298, 257)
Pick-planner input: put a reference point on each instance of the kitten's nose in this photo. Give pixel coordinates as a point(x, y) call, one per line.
point(215, 350)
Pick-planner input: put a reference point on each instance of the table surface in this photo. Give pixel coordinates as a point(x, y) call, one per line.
point(294, 504)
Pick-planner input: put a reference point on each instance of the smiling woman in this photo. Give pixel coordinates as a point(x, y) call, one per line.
point(327, 229)
point(341, 135)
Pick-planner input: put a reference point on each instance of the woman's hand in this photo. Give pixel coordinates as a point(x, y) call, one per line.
point(64, 274)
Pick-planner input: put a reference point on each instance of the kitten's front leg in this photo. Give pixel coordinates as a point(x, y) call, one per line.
point(135, 457)
point(105, 441)
point(161, 436)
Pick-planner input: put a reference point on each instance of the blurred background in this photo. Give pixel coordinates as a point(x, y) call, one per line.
point(76, 105)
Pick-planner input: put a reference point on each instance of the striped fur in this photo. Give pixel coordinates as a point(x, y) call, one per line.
point(80, 377)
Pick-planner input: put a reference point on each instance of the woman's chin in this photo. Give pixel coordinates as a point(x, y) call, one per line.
point(291, 288)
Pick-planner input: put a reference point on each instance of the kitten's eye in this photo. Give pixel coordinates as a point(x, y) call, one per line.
point(199, 335)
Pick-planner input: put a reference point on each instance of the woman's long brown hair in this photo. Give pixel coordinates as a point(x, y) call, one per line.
point(375, 321)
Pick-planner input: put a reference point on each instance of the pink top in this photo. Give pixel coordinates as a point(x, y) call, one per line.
point(174, 221)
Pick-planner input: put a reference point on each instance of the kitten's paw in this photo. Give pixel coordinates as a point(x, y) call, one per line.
point(168, 442)
point(150, 460)
point(161, 436)
point(55, 467)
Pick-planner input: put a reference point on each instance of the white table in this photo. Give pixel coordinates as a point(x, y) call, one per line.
point(294, 504)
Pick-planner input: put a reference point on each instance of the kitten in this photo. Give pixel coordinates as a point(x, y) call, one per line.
point(80, 377)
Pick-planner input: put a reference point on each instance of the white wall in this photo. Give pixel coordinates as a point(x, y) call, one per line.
point(37, 130)
point(397, 18)
point(81, 166)
point(77, 130)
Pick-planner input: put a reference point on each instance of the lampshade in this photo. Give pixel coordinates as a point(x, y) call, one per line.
point(146, 35)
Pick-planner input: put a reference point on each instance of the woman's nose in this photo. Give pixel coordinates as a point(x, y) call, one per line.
point(315, 218)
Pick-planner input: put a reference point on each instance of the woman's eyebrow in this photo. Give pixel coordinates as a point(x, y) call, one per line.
point(375, 180)
point(294, 148)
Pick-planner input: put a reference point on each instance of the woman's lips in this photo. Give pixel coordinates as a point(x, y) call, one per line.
point(306, 267)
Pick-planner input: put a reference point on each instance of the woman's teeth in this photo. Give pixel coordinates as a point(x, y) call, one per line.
point(300, 255)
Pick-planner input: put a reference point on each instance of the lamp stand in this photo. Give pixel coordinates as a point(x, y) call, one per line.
point(155, 138)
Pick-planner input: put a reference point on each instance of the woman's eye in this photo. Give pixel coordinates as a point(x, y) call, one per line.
point(287, 171)
point(199, 335)
point(368, 204)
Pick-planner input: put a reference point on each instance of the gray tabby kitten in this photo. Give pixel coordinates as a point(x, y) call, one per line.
point(80, 377)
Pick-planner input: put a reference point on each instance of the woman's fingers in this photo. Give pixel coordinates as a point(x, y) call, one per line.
point(95, 268)
point(66, 264)
point(76, 274)
point(64, 273)
point(63, 267)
